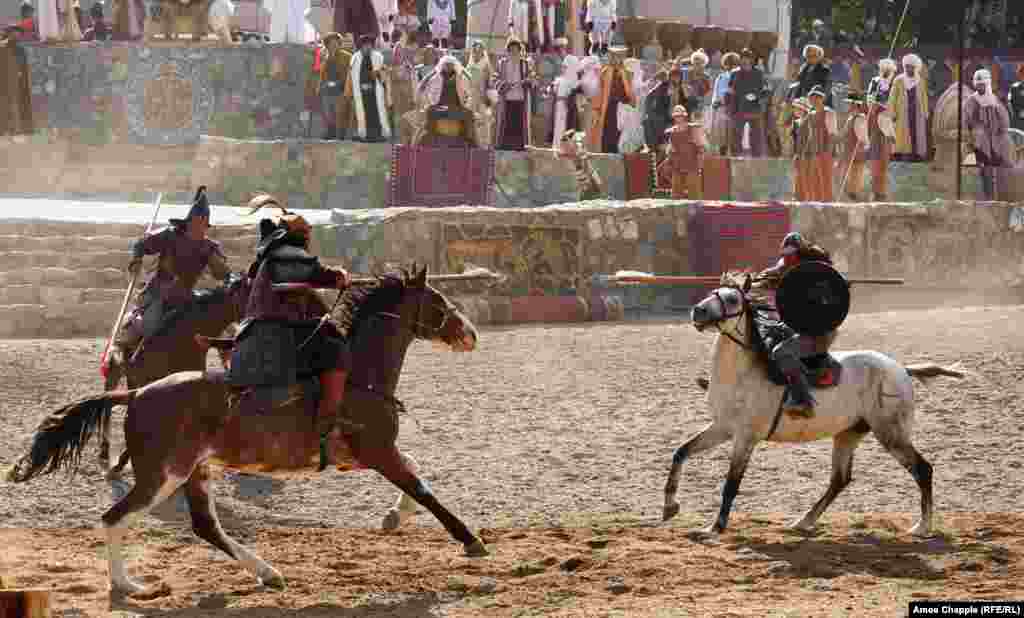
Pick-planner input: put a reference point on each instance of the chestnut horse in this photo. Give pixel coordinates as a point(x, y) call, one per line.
point(176, 348)
point(176, 427)
point(875, 394)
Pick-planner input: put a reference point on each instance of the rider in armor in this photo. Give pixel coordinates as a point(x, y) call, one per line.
point(786, 346)
point(282, 257)
point(185, 252)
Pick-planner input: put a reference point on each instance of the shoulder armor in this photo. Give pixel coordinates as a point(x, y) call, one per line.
point(290, 253)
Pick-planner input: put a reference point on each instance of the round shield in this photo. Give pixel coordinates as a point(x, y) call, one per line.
point(813, 298)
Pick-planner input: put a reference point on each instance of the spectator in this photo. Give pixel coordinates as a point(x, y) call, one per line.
point(1015, 100)
point(99, 30)
point(749, 93)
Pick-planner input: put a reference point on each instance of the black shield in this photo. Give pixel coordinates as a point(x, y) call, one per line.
point(813, 298)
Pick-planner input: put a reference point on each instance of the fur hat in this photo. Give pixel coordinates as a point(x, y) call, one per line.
point(286, 228)
point(730, 58)
point(513, 41)
point(200, 208)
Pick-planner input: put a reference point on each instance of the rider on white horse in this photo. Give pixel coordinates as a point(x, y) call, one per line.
point(787, 347)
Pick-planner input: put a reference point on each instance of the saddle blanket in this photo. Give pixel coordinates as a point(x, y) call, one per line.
point(432, 177)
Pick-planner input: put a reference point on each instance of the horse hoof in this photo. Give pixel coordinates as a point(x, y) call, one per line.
point(920, 530)
point(670, 511)
point(477, 549)
point(274, 582)
point(801, 526)
point(392, 521)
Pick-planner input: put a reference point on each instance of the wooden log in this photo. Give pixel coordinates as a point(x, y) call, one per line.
point(25, 603)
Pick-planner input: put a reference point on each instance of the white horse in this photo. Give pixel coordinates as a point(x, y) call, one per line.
point(875, 394)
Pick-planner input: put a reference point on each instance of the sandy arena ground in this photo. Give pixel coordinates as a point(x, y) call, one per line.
point(554, 442)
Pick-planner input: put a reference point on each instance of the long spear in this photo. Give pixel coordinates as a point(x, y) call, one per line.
point(476, 274)
point(105, 359)
point(625, 277)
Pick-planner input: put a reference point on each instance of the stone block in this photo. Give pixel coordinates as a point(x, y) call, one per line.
point(23, 294)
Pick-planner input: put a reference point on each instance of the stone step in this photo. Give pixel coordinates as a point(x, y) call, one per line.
point(232, 245)
point(28, 294)
point(36, 227)
point(88, 319)
point(74, 260)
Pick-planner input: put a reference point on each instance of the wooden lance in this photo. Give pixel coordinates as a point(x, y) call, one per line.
point(702, 280)
point(105, 360)
point(479, 274)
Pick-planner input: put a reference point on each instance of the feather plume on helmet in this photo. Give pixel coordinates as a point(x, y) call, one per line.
point(286, 228)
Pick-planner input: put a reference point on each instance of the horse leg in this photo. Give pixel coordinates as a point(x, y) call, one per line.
point(711, 436)
point(207, 527)
point(899, 446)
point(115, 372)
point(843, 446)
point(741, 451)
point(147, 493)
point(390, 464)
point(405, 506)
point(114, 473)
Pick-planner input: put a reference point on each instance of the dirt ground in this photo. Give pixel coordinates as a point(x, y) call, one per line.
point(554, 442)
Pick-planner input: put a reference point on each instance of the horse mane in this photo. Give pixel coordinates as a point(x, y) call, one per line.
point(359, 302)
point(755, 296)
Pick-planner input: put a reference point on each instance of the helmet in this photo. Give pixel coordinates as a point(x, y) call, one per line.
point(791, 243)
point(200, 208)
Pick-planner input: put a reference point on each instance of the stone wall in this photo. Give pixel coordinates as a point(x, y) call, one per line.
point(169, 95)
point(352, 175)
point(63, 278)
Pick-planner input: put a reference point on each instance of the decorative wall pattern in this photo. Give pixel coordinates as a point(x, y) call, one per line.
point(169, 95)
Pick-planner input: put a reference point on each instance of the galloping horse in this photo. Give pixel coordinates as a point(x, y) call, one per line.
point(177, 426)
point(176, 349)
point(875, 394)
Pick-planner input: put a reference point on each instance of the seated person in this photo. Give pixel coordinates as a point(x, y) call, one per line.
point(448, 119)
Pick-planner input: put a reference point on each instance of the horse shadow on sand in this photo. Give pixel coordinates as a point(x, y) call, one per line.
point(864, 554)
point(420, 605)
point(249, 488)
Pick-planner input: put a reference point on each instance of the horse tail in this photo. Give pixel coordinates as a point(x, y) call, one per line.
point(62, 435)
point(931, 370)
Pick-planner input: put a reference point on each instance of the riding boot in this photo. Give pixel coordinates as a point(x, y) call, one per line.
point(332, 393)
point(799, 401)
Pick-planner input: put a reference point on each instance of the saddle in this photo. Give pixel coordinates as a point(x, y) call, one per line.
point(822, 371)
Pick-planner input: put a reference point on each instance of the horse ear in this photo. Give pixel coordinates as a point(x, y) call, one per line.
point(421, 277)
point(746, 284)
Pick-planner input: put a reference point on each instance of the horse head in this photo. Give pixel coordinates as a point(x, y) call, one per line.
point(727, 308)
point(433, 317)
point(422, 311)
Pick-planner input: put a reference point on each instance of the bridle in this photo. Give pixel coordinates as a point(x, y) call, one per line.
point(418, 325)
point(744, 307)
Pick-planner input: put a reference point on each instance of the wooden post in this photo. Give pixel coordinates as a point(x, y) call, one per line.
point(25, 603)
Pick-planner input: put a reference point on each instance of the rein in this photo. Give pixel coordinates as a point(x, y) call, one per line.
point(746, 346)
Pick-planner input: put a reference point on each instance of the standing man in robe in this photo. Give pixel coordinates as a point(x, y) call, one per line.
point(817, 132)
point(683, 169)
point(440, 17)
point(850, 171)
point(356, 17)
point(1015, 99)
point(369, 94)
point(749, 92)
point(667, 93)
point(989, 124)
point(616, 86)
point(387, 11)
point(813, 73)
point(881, 128)
point(565, 89)
point(512, 92)
point(721, 97)
point(334, 89)
point(908, 101)
point(287, 20)
point(600, 19)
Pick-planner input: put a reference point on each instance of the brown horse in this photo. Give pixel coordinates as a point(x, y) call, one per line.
point(177, 426)
point(174, 349)
point(180, 347)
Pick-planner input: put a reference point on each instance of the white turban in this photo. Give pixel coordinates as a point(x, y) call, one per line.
point(807, 48)
point(912, 59)
point(988, 97)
